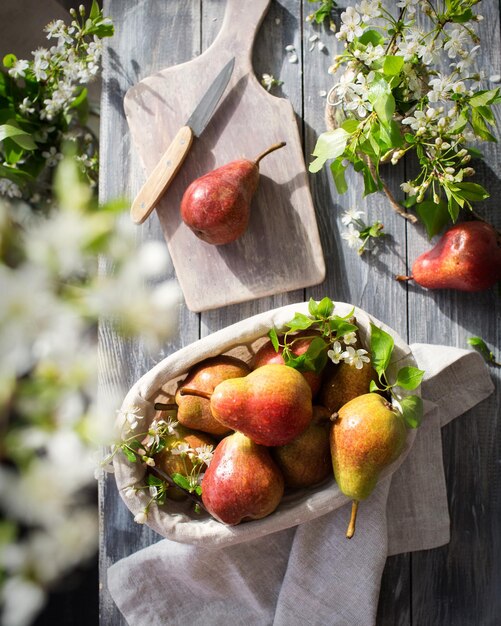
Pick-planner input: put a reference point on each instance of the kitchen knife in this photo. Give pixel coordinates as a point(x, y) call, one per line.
point(172, 159)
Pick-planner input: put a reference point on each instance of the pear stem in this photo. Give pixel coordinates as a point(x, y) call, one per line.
point(403, 278)
point(189, 391)
point(272, 148)
point(161, 406)
point(351, 526)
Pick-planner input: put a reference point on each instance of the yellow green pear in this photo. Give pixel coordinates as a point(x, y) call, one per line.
point(368, 435)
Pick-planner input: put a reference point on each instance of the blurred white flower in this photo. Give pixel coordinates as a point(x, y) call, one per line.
point(141, 517)
point(22, 599)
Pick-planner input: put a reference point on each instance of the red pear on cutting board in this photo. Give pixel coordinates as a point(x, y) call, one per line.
point(216, 206)
point(466, 258)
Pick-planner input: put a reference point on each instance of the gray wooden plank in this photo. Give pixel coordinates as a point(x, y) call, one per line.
point(363, 281)
point(145, 41)
point(459, 584)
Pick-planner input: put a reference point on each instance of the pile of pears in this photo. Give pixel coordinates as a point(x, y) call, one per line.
point(275, 429)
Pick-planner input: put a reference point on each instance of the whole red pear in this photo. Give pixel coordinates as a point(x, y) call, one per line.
point(466, 258)
point(216, 206)
point(271, 405)
point(242, 482)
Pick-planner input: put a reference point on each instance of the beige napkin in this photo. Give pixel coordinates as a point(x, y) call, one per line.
point(310, 573)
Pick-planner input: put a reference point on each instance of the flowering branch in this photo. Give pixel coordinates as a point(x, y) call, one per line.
point(394, 100)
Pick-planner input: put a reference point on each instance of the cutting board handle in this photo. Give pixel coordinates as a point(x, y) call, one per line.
point(240, 24)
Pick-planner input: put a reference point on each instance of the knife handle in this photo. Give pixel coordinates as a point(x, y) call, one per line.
point(161, 177)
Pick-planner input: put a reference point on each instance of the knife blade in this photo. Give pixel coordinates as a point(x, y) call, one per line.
point(166, 169)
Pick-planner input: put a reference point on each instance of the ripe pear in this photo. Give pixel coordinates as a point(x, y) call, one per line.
point(343, 382)
point(267, 354)
point(194, 411)
point(175, 464)
point(271, 405)
point(242, 482)
point(367, 436)
point(306, 460)
point(216, 206)
point(467, 258)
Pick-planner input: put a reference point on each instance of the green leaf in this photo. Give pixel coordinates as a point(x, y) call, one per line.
point(341, 326)
point(313, 307)
point(350, 126)
point(129, 454)
point(484, 97)
point(338, 170)
point(300, 322)
point(154, 481)
point(381, 349)
point(314, 359)
point(434, 216)
point(371, 36)
point(373, 386)
point(480, 127)
point(181, 481)
point(472, 191)
point(330, 145)
point(325, 307)
point(462, 18)
point(9, 60)
point(95, 11)
point(487, 114)
point(370, 185)
point(409, 377)
point(20, 136)
point(198, 490)
point(412, 410)
point(272, 334)
point(393, 65)
point(479, 344)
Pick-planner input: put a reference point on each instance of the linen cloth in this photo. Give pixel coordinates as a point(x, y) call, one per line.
point(310, 573)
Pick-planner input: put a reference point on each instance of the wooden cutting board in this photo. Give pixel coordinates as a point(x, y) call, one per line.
point(281, 249)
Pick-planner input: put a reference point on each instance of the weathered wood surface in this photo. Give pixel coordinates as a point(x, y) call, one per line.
point(457, 584)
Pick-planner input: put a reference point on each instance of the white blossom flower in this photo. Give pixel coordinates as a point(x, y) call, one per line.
point(368, 9)
point(141, 517)
point(355, 358)
point(129, 417)
point(351, 25)
point(153, 491)
point(408, 189)
point(350, 338)
point(351, 215)
point(335, 353)
point(130, 492)
point(41, 63)
point(57, 29)
point(454, 45)
point(52, 156)
point(18, 70)
point(9, 189)
point(205, 453)
point(181, 448)
point(26, 107)
point(22, 599)
point(410, 5)
point(352, 237)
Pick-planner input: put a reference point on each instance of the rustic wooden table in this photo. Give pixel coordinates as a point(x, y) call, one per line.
point(457, 584)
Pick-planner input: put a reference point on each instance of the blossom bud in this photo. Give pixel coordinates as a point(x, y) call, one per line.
point(468, 171)
point(81, 9)
point(141, 517)
point(466, 158)
point(149, 461)
point(436, 198)
point(450, 170)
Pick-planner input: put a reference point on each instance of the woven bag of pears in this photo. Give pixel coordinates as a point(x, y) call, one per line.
point(266, 424)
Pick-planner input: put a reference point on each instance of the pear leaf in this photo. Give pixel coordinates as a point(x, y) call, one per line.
point(300, 322)
point(373, 386)
point(181, 481)
point(129, 454)
point(325, 307)
point(381, 349)
point(272, 334)
point(412, 410)
point(313, 307)
point(409, 377)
